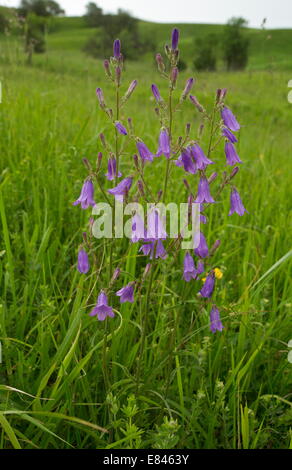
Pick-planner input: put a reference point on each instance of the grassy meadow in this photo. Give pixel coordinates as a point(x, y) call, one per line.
point(198, 390)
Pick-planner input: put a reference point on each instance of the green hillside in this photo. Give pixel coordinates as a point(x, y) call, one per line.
point(269, 49)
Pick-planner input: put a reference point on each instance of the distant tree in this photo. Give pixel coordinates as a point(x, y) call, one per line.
point(94, 15)
point(34, 27)
point(182, 65)
point(43, 8)
point(4, 23)
point(235, 44)
point(124, 26)
point(206, 53)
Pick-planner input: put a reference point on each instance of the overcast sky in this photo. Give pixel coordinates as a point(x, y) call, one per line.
point(277, 12)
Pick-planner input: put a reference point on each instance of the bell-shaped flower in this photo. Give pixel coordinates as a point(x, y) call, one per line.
point(121, 189)
point(202, 249)
point(229, 119)
point(126, 294)
point(102, 310)
point(86, 196)
point(112, 170)
point(236, 204)
point(200, 158)
point(190, 271)
point(83, 265)
point(204, 192)
point(215, 321)
point(208, 287)
point(232, 157)
point(164, 144)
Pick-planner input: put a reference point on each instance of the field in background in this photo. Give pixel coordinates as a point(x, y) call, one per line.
point(226, 391)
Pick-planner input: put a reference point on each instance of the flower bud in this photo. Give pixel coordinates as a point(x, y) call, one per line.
point(212, 178)
point(136, 161)
point(130, 123)
point(156, 93)
point(197, 104)
point(131, 89)
point(173, 76)
point(174, 39)
point(167, 50)
point(159, 195)
point(187, 185)
point(234, 172)
point(99, 160)
point(215, 246)
point(102, 138)
point(147, 271)
point(117, 49)
point(141, 188)
point(188, 87)
point(84, 235)
point(160, 63)
point(116, 275)
point(110, 113)
point(100, 97)
point(86, 164)
point(107, 69)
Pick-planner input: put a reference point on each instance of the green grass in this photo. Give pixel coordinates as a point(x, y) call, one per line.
point(226, 390)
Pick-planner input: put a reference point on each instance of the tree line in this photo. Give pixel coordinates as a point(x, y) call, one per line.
point(35, 18)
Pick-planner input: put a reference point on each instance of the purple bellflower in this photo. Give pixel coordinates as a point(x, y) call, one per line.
point(204, 191)
point(83, 265)
point(164, 144)
point(102, 309)
point(120, 128)
point(200, 158)
point(229, 119)
point(112, 170)
point(121, 189)
point(154, 247)
point(138, 229)
point(131, 88)
point(189, 268)
point(156, 93)
point(215, 321)
point(200, 268)
point(202, 249)
point(228, 134)
point(126, 294)
point(208, 287)
point(155, 227)
point(188, 87)
point(232, 157)
point(86, 196)
point(175, 39)
point(144, 151)
point(185, 160)
point(236, 203)
point(117, 49)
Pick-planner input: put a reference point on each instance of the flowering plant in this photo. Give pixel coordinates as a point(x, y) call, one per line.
point(150, 241)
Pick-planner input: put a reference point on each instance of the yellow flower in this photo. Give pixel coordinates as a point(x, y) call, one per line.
point(218, 273)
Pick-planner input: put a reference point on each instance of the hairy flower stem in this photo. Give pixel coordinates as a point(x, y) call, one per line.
point(145, 321)
point(170, 138)
point(212, 133)
point(117, 171)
